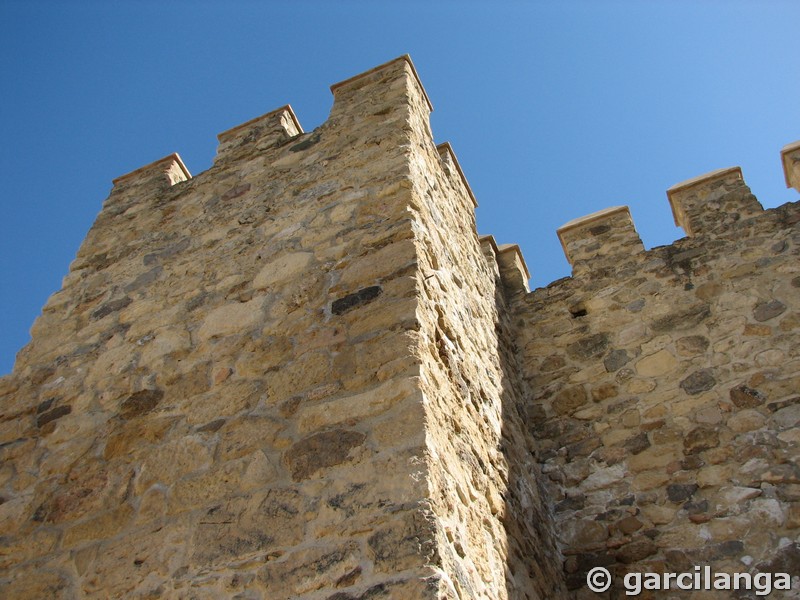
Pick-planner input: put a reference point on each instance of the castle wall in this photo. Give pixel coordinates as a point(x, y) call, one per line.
point(302, 374)
point(205, 405)
point(664, 388)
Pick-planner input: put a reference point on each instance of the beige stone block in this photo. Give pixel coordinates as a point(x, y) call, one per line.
point(711, 415)
point(403, 426)
point(579, 533)
point(657, 364)
point(104, 526)
point(640, 386)
point(729, 528)
point(746, 420)
point(658, 456)
point(153, 505)
point(714, 475)
point(590, 414)
point(353, 409)
point(235, 317)
point(172, 460)
point(790, 436)
point(241, 436)
point(659, 515)
point(647, 480)
point(166, 341)
point(370, 268)
point(308, 371)
point(603, 478)
point(15, 549)
point(688, 404)
point(616, 436)
point(315, 568)
point(207, 487)
point(631, 418)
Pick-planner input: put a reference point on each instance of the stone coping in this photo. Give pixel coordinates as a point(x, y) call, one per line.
point(595, 216)
point(445, 147)
point(785, 151)
point(405, 57)
point(694, 181)
point(503, 248)
point(174, 157)
point(228, 133)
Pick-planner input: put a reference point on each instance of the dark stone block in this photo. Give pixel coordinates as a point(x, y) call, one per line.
point(696, 508)
point(616, 360)
point(768, 310)
point(637, 443)
point(636, 551)
point(571, 503)
point(321, 451)
point(145, 279)
point(699, 439)
point(678, 492)
point(699, 381)
point(52, 415)
point(236, 191)
point(306, 143)
point(745, 397)
point(589, 347)
point(776, 406)
point(45, 405)
point(110, 307)
point(167, 252)
point(362, 296)
point(785, 560)
point(140, 403)
point(683, 319)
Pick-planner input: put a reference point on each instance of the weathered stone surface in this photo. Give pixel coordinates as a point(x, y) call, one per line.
point(616, 360)
point(698, 382)
point(745, 397)
point(320, 451)
point(699, 439)
point(589, 347)
point(140, 403)
point(768, 310)
point(569, 400)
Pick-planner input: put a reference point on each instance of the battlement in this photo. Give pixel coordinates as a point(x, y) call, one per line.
point(164, 171)
point(258, 134)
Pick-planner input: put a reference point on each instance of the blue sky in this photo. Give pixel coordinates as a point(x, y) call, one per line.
point(555, 109)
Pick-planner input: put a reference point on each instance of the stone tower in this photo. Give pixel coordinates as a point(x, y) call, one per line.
point(286, 377)
point(301, 374)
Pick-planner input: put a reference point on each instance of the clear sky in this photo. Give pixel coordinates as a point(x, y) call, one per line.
point(554, 109)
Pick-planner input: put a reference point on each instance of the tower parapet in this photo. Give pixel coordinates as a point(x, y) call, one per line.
point(258, 134)
point(711, 203)
point(165, 171)
point(607, 235)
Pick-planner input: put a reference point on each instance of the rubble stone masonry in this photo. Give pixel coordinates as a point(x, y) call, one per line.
point(301, 374)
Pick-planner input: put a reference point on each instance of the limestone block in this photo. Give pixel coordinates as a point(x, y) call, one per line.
point(232, 318)
point(282, 269)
